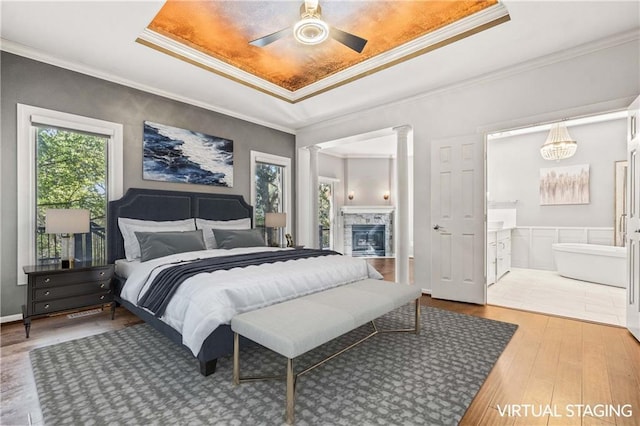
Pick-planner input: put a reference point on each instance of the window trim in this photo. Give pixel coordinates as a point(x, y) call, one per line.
point(285, 162)
point(28, 118)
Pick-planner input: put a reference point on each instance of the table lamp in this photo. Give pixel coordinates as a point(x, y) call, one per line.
point(66, 222)
point(277, 221)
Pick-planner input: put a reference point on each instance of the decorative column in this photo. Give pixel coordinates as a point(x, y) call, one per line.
point(314, 194)
point(401, 237)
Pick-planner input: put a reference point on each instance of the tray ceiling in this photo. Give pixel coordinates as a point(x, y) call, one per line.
point(215, 35)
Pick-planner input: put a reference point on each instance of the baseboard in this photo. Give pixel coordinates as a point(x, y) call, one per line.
point(11, 318)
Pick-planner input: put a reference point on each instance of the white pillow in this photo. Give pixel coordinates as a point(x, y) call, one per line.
point(208, 226)
point(128, 228)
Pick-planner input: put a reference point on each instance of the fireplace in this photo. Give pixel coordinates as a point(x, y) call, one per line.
point(358, 224)
point(368, 240)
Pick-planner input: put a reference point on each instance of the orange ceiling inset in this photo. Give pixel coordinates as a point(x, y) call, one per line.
point(223, 29)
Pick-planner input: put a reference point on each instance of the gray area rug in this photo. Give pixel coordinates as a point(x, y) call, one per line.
point(137, 376)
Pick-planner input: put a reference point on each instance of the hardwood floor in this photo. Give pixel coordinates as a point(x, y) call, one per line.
point(551, 364)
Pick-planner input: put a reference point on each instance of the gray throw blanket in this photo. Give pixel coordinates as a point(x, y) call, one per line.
point(167, 282)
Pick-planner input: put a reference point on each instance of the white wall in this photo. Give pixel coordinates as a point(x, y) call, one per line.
point(369, 178)
point(513, 172)
point(331, 167)
point(558, 87)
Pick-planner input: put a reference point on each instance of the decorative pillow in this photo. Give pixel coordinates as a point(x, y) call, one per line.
point(128, 227)
point(209, 225)
point(228, 239)
point(159, 244)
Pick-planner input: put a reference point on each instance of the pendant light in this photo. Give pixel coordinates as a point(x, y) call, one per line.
point(559, 144)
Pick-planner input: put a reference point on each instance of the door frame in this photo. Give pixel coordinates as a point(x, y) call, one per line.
point(541, 119)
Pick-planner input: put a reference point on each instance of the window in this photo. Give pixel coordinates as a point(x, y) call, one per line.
point(71, 172)
point(64, 161)
point(325, 213)
point(270, 190)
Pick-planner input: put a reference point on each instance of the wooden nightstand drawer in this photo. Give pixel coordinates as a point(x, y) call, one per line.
point(71, 303)
point(59, 292)
point(73, 277)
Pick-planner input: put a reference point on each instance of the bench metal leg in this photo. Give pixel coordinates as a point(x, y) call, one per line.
point(418, 315)
point(291, 378)
point(291, 391)
point(236, 359)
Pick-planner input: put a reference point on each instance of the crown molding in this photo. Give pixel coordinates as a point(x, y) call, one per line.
point(37, 55)
point(348, 156)
point(195, 57)
point(532, 64)
point(465, 27)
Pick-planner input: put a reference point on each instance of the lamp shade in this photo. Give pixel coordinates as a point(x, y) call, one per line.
point(559, 144)
point(275, 220)
point(66, 221)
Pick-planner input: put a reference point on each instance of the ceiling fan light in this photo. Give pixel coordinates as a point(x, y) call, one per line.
point(559, 144)
point(311, 31)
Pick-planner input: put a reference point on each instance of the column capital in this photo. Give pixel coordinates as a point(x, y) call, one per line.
point(314, 148)
point(402, 130)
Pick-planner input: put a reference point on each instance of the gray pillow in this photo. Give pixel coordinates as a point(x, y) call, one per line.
point(159, 244)
point(228, 238)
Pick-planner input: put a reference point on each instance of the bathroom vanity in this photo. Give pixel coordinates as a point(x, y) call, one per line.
point(498, 254)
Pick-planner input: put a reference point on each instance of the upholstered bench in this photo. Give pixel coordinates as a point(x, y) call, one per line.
point(296, 326)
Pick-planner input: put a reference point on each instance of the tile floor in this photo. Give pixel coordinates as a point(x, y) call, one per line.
point(549, 293)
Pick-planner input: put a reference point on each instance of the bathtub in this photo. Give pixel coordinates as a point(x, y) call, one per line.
point(592, 262)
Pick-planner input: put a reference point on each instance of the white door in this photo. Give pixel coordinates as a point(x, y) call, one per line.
point(633, 226)
point(457, 215)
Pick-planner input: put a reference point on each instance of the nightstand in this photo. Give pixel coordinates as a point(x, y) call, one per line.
point(51, 289)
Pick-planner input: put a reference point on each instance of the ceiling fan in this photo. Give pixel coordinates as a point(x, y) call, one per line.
point(311, 29)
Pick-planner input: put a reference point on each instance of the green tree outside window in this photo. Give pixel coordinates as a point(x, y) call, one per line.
point(71, 173)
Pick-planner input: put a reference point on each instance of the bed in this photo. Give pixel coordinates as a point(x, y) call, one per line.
point(217, 340)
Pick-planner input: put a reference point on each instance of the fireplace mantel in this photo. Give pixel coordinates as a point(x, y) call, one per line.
point(367, 209)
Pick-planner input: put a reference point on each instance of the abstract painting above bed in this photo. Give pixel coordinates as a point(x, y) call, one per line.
point(172, 154)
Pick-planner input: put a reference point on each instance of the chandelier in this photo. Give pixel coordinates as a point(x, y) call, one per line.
point(559, 144)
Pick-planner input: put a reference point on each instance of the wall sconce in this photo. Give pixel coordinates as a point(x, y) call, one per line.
point(351, 195)
point(386, 195)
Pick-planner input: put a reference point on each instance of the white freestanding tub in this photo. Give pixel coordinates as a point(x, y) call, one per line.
point(592, 262)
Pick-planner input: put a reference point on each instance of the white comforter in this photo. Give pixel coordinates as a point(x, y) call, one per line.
point(207, 300)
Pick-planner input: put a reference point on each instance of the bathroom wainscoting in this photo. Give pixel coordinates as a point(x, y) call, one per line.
point(531, 246)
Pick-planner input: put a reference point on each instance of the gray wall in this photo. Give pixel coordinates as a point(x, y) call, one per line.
point(513, 172)
point(34, 83)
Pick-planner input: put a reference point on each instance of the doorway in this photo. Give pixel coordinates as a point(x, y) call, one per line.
point(363, 169)
point(548, 220)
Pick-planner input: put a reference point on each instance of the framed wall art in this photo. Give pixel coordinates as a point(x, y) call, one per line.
point(564, 185)
point(172, 154)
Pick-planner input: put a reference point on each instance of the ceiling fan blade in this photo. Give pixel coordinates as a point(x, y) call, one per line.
point(268, 39)
point(352, 41)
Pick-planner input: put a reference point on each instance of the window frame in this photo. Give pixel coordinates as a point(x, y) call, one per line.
point(28, 119)
point(285, 163)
